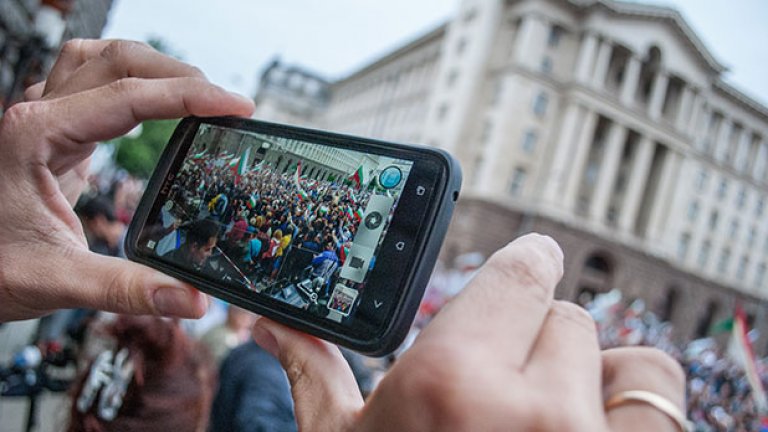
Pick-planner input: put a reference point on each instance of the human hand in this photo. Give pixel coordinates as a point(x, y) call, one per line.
point(97, 90)
point(503, 355)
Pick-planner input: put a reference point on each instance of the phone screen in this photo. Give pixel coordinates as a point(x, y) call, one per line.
point(295, 221)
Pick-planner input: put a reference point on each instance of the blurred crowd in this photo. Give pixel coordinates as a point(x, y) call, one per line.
point(719, 395)
point(149, 373)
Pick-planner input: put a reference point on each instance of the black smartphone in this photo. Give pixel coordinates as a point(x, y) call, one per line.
point(331, 234)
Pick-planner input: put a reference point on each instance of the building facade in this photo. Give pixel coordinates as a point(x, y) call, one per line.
point(603, 123)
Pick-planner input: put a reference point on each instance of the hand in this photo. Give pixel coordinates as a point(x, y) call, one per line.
point(503, 355)
point(96, 91)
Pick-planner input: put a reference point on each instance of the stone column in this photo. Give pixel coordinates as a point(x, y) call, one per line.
point(696, 113)
point(564, 149)
point(633, 196)
point(524, 40)
point(584, 142)
point(586, 58)
point(609, 167)
point(684, 110)
point(721, 140)
point(741, 155)
point(631, 79)
point(760, 167)
point(658, 92)
point(664, 192)
point(601, 65)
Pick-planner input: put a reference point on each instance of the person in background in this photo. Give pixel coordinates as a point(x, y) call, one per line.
point(233, 332)
point(153, 378)
point(106, 233)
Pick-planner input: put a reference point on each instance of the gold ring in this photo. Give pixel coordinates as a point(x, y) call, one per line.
point(660, 403)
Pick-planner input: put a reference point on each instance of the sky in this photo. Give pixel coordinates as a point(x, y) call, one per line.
point(233, 40)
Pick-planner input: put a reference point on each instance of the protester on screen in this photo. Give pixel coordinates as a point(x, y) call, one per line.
point(503, 354)
point(201, 238)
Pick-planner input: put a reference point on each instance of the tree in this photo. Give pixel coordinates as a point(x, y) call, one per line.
point(138, 155)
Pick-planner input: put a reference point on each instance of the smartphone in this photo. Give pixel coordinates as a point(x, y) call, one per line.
point(333, 235)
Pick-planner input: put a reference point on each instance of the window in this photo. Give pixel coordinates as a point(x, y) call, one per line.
point(725, 257)
point(485, 134)
point(693, 211)
point(741, 199)
point(742, 269)
point(704, 253)
point(734, 228)
point(453, 75)
point(529, 141)
point(546, 65)
point(701, 181)
point(540, 103)
point(760, 275)
point(682, 246)
point(751, 236)
point(713, 217)
point(442, 112)
point(495, 96)
point(461, 45)
point(723, 189)
point(555, 34)
point(517, 182)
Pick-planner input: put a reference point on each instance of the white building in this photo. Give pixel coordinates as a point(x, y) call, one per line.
point(602, 122)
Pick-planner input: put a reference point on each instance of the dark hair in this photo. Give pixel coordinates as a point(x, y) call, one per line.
point(200, 231)
point(172, 386)
point(99, 205)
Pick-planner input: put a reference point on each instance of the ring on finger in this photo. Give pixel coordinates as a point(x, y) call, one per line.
point(660, 403)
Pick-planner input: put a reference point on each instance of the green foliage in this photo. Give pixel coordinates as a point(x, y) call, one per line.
point(139, 155)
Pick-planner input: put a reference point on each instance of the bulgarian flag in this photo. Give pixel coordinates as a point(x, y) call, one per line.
point(242, 162)
point(359, 214)
point(358, 176)
point(302, 195)
point(251, 202)
point(199, 155)
point(740, 349)
point(297, 175)
point(349, 212)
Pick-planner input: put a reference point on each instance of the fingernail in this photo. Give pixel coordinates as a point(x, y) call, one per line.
point(265, 339)
point(177, 302)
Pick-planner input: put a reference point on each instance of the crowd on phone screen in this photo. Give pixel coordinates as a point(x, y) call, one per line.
point(264, 213)
point(214, 377)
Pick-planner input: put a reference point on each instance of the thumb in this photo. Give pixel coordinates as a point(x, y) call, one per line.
point(118, 285)
point(324, 390)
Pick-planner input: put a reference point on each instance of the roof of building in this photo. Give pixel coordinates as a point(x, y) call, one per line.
point(660, 13)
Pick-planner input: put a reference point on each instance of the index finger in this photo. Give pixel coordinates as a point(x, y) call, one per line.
point(504, 306)
point(84, 64)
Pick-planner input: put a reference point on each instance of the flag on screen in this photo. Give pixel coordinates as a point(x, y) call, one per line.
point(242, 164)
point(359, 214)
point(251, 202)
point(297, 175)
point(357, 177)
